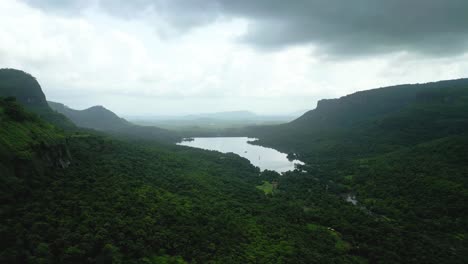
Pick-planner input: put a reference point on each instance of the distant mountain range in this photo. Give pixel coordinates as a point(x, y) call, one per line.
point(225, 116)
point(240, 115)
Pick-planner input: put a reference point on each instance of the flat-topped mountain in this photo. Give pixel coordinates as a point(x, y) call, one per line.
point(375, 120)
point(376, 103)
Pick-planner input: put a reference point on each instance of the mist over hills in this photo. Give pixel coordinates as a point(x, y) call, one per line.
point(233, 132)
point(239, 115)
point(211, 124)
point(235, 116)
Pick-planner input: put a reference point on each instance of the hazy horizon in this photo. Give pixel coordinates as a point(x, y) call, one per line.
point(158, 57)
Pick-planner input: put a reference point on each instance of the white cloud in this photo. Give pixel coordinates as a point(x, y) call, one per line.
point(142, 66)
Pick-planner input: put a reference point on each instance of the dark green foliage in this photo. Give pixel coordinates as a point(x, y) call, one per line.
point(374, 121)
point(123, 203)
point(84, 197)
point(402, 151)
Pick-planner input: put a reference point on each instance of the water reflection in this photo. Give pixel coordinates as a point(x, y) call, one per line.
point(264, 158)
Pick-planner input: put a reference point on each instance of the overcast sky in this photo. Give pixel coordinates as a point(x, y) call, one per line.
point(164, 57)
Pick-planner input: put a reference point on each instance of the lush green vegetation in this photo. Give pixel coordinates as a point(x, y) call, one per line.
point(266, 187)
point(76, 196)
point(402, 152)
point(142, 203)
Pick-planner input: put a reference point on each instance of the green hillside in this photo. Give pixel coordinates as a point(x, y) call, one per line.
point(102, 119)
point(84, 198)
point(96, 117)
point(401, 151)
point(79, 196)
point(374, 121)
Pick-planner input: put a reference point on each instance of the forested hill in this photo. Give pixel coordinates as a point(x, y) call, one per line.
point(400, 150)
point(27, 91)
point(374, 121)
point(102, 119)
point(377, 103)
point(77, 196)
point(85, 198)
point(96, 117)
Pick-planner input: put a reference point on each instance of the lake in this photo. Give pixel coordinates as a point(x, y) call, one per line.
point(264, 158)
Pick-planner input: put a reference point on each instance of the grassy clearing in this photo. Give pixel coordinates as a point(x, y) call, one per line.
point(266, 187)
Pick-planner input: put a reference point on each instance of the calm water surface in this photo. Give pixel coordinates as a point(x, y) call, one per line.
point(264, 158)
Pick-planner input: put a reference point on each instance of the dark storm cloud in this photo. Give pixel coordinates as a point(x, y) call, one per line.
point(338, 28)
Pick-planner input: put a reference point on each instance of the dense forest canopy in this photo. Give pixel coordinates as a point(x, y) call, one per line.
point(70, 195)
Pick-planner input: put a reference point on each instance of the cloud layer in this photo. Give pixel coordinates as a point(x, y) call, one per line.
point(182, 56)
point(337, 28)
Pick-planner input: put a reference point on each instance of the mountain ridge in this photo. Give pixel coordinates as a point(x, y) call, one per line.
point(102, 119)
point(399, 95)
point(95, 117)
